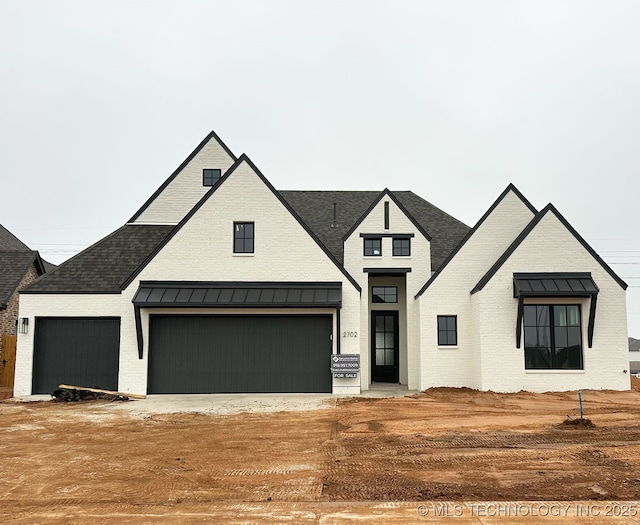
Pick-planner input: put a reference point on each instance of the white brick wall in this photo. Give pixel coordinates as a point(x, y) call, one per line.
point(203, 251)
point(51, 305)
point(550, 247)
point(449, 295)
point(186, 189)
point(420, 264)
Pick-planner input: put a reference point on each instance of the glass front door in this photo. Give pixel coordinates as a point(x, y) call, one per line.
point(384, 347)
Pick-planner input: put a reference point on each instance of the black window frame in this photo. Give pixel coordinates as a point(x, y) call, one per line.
point(384, 295)
point(243, 237)
point(369, 244)
point(560, 354)
point(444, 332)
point(210, 176)
point(401, 247)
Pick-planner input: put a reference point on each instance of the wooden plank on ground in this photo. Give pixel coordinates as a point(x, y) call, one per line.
point(100, 391)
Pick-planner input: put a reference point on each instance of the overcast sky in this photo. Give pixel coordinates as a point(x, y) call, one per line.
point(101, 101)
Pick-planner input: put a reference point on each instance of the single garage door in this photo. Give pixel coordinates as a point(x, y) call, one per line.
point(235, 353)
point(75, 351)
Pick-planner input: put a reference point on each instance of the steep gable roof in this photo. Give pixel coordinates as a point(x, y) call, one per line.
point(104, 266)
point(509, 189)
point(316, 210)
point(525, 233)
point(210, 136)
point(207, 196)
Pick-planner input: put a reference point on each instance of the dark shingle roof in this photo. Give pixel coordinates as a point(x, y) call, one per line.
point(316, 209)
point(13, 266)
point(103, 267)
point(10, 243)
point(634, 344)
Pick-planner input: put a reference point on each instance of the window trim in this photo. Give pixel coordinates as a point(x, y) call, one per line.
point(447, 331)
point(211, 172)
point(384, 294)
point(401, 239)
point(370, 240)
point(244, 238)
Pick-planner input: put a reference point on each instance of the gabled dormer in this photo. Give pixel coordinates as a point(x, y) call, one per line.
point(201, 170)
point(386, 237)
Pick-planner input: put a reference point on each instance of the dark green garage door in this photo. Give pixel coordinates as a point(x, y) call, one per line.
point(234, 353)
point(75, 351)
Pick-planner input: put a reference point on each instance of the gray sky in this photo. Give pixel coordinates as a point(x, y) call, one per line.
point(100, 102)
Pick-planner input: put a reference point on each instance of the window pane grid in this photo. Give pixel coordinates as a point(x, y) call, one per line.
point(210, 176)
point(401, 247)
point(552, 337)
point(384, 294)
point(243, 237)
point(373, 247)
point(447, 330)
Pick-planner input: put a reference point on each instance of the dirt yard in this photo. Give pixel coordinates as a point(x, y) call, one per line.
point(92, 462)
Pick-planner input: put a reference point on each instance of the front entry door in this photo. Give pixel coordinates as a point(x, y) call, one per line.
point(384, 347)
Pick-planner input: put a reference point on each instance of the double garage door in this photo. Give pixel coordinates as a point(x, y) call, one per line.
point(237, 353)
point(191, 354)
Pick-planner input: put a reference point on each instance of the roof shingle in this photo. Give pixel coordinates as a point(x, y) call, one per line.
point(104, 266)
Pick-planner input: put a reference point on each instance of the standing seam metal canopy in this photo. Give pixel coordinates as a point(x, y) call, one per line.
point(216, 294)
point(562, 284)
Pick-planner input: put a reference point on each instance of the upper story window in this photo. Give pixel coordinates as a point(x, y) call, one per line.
point(243, 237)
point(552, 337)
point(373, 246)
point(401, 246)
point(210, 176)
point(384, 294)
point(447, 330)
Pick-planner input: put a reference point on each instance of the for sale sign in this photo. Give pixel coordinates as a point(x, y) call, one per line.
point(345, 365)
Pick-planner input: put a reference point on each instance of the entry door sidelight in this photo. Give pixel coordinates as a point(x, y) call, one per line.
point(384, 347)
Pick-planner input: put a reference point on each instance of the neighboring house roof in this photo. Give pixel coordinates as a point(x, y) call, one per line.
point(15, 259)
point(634, 345)
point(13, 267)
point(316, 210)
point(523, 235)
point(9, 242)
point(104, 266)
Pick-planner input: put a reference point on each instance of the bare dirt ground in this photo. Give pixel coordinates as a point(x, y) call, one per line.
point(88, 463)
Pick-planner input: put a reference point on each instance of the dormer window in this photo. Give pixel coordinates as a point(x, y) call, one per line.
point(210, 176)
point(373, 247)
point(401, 246)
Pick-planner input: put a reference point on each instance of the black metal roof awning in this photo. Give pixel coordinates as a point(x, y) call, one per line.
point(560, 284)
point(181, 294)
point(553, 284)
point(214, 294)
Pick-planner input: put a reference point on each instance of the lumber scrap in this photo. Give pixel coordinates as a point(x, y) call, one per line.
point(75, 393)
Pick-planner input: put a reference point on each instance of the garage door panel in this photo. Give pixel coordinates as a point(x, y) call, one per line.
point(211, 354)
point(76, 351)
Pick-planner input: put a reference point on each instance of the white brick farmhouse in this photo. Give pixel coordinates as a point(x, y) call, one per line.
point(221, 283)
